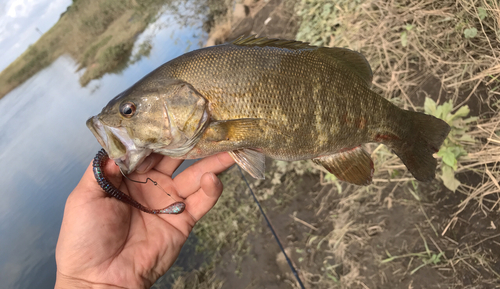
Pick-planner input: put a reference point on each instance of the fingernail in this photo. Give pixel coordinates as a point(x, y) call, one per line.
point(142, 168)
point(215, 179)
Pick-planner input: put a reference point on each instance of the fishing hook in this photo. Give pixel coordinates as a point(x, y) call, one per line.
point(100, 161)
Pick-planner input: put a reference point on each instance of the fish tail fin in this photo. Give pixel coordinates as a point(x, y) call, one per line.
point(422, 140)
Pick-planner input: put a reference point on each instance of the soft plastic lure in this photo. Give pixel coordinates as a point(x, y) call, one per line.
point(100, 161)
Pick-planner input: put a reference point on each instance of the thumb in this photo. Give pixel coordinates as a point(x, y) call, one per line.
point(205, 198)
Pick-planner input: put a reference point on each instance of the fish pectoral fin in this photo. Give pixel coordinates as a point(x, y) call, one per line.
point(354, 166)
point(235, 130)
point(250, 160)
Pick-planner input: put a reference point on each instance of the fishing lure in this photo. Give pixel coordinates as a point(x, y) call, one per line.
point(100, 161)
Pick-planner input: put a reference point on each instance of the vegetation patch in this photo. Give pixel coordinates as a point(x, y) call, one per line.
point(108, 26)
point(438, 57)
point(36, 60)
point(92, 50)
point(111, 59)
point(452, 149)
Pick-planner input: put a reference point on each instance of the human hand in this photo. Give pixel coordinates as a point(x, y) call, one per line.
point(105, 243)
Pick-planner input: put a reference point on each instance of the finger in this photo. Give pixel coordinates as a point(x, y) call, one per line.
point(167, 165)
point(199, 203)
point(188, 181)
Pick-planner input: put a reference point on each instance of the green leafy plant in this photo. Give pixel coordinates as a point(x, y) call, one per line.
point(470, 32)
point(331, 178)
point(452, 149)
point(404, 35)
point(482, 13)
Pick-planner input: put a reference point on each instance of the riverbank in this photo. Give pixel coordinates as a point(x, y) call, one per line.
point(434, 56)
point(100, 35)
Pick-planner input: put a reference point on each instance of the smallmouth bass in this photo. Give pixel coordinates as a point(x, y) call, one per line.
point(258, 97)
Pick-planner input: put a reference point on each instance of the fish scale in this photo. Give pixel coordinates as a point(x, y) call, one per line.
point(325, 105)
point(259, 97)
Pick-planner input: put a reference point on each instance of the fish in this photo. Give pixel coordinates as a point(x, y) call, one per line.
point(256, 97)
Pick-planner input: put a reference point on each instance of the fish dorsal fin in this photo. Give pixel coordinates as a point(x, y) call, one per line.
point(350, 59)
point(252, 40)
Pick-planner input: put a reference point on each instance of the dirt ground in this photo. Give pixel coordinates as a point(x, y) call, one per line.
point(353, 237)
point(390, 221)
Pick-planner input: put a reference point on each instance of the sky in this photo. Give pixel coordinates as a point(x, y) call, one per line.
point(22, 22)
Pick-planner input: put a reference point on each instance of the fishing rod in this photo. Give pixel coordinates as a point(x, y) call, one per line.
point(274, 232)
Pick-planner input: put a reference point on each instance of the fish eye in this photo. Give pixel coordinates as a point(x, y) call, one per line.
point(127, 109)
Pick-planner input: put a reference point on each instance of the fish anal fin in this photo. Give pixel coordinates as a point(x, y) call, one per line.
point(354, 166)
point(250, 160)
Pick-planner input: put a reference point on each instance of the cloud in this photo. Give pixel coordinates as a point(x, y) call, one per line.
point(20, 8)
point(19, 21)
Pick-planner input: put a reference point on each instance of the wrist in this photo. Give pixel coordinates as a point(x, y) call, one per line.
point(63, 282)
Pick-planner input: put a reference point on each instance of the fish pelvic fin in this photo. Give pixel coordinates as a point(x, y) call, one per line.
point(252, 161)
point(416, 147)
point(354, 166)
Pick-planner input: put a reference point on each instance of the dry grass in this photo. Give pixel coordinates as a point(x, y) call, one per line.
point(483, 159)
point(434, 45)
point(408, 43)
point(411, 44)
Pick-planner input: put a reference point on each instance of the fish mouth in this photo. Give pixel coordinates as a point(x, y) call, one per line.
point(118, 144)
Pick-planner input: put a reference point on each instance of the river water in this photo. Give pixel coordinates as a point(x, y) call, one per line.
point(45, 147)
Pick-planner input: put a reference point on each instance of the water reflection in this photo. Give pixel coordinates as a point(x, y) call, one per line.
point(45, 148)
